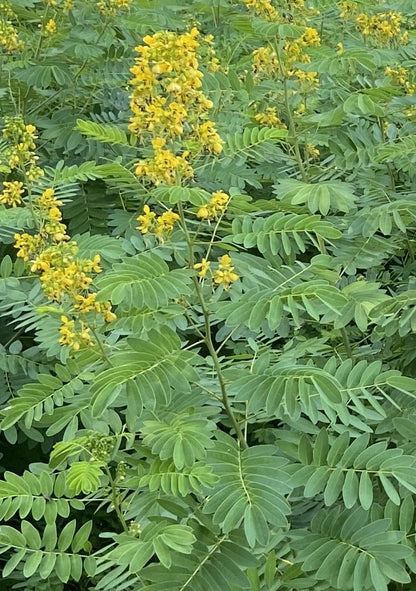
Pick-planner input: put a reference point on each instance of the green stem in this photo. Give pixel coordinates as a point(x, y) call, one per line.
point(292, 134)
point(39, 46)
point(292, 129)
point(100, 345)
point(115, 499)
point(347, 344)
point(322, 246)
point(208, 336)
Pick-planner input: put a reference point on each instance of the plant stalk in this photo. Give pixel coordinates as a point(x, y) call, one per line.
point(208, 336)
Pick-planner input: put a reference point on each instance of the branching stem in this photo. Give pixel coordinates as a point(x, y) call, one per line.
point(208, 335)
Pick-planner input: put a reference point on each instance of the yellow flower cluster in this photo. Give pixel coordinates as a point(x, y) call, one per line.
point(88, 303)
point(301, 110)
point(12, 193)
point(111, 7)
point(9, 36)
point(349, 9)
point(312, 151)
point(310, 38)
point(224, 275)
point(168, 104)
point(20, 151)
point(215, 207)
point(293, 11)
point(203, 267)
point(51, 254)
point(399, 76)
point(269, 117)
point(410, 113)
point(161, 226)
point(263, 8)
point(61, 275)
point(383, 27)
point(50, 215)
point(295, 4)
point(265, 62)
point(49, 28)
point(165, 166)
point(307, 80)
point(207, 135)
point(72, 337)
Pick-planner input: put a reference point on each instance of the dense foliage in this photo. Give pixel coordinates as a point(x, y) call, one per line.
point(207, 301)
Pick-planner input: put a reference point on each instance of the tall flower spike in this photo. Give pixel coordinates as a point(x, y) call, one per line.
point(169, 108)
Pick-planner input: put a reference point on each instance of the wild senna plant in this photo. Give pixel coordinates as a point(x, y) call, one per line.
point(207, 295)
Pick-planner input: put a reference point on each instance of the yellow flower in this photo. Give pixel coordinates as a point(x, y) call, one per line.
point(203, 213)
point(85, 303)
point(224, 274)
point(73, 338)
point(215, 207)
point(164, 224)
point(11, 194)
point(9, 37)
point(340, 49)
point(168, 104)
point(348, 8)
point(269, 117)
point(208, 136)
point(67, 331)
point(165, 167)
point(50, 28)
point(300, 110)
point(312, 151)
point(214, 64)
point(265, 62)
point(263, 8)
point(310, 37)
point(28, 245)
point(158, 143)
point(203, 267)
point(111, 7)
point(146, 220)
point(382, 27)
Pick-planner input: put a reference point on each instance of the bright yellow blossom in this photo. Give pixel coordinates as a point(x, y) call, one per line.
point(203, 267)
point(111, 7)
point(169, 107)
point(21, 145)
point(310, 37)
point(161, 226)
point(146, 220)
point(265, 62)
point(50, 28)
point(73, 338)
point(312, 151)
point(9, 35)
point(164, 224)
point(224, 274)
point(263, 8)
point(382, 27)
point(12, 193)
point(216, 206)
point(269, 117)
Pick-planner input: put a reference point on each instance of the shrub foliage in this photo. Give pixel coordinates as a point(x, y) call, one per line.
point(207, 301)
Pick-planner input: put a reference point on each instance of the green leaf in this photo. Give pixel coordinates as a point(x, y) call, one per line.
point(84, 477)
point(102, 132)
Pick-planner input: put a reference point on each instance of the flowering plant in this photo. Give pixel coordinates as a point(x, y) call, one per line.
point(207, 301)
